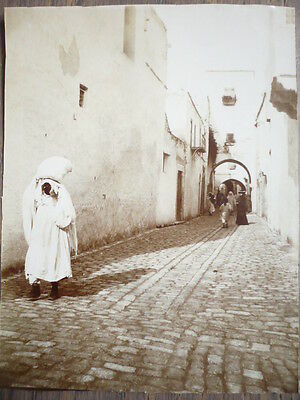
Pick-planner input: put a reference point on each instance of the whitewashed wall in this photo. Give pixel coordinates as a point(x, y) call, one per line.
point(114, 141)
point(277, 140)
point(180, 111)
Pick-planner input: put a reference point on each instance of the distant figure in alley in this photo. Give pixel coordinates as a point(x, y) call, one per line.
point(221, 195)
point(232, 201)
point(241, 217)
point(211, 203)
point(225, 212)
point(49, 226)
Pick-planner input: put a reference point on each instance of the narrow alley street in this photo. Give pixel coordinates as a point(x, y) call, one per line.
point(190, 307)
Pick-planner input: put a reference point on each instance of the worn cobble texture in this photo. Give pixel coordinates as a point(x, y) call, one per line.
point(191, 307)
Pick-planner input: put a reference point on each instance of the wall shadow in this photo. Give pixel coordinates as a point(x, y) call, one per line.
point(84, 266)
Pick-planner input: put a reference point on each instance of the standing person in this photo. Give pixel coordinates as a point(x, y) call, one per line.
point(49, 227)
point(225, 212)
point(220, 197)
point(211, 203)
point(241, 218)
point(232, 202)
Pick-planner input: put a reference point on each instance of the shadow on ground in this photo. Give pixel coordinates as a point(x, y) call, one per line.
point(189, 233)
point(74, 287)
point(77, 287)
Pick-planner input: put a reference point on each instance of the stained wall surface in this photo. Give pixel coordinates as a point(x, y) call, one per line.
point(277, 133)
point(114, 141)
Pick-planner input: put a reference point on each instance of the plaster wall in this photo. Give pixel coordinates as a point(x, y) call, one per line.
point(183, 117)
point(172, 162)
point(196, 163)
point(114, 141)
point(277, 133)
point(278, 161)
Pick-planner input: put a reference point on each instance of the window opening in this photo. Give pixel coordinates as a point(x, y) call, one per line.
point(82, 90)
point(165, 160)
point(230, 139)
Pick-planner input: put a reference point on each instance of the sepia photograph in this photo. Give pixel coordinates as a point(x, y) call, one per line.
point(150, 208)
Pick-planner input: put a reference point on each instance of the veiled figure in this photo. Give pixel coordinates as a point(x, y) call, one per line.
point(241, 208)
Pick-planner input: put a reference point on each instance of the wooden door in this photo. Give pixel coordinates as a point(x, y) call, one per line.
point(202, 206)
point(199, 195)
point(179, 200)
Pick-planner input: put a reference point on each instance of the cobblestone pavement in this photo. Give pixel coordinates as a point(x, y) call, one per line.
point(191, 307)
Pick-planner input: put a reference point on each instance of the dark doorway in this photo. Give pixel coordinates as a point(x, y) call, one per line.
point(230, 186)
point(179, 196)
point(199, 195)
point(202, 203)
point(234, 185)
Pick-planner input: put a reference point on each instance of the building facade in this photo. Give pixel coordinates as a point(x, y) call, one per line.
point(183, 180)
point(254, 112)
point(276, 129)
point(72, 92)
point(234, 97)
point(277, 159)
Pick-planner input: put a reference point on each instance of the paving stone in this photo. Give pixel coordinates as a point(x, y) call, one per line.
point(260, 347)
point(253, 374)
point(234, 388)
point(87, 378)
point(214, 384)
point(101, 373)
point(215, 359)
point(190, 333)
point(238, 343)
point(128, 319)
point(9, 334)
point(209, 339)
point(28, 315)
point(196, 388)
point(26, 354)
point(237, 312)
point(117, 367)
point(40, 344)
point(149, 372)
point(125, 349)
point(160, 340)
point(134, 340)
point(253, 389)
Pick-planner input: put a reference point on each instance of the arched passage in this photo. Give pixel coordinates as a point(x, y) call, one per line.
point(230, 160)
point(231, 185)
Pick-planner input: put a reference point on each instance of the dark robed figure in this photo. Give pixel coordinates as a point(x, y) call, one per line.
point(241, 218)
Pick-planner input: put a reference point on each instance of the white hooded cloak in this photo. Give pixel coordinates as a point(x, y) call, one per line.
point(49, 224)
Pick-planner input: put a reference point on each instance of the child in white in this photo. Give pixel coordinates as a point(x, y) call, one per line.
point(225, 212)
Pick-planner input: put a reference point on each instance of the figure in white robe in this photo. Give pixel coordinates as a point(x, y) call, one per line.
point(225, 213)
point(49, 227)
point(232, 202)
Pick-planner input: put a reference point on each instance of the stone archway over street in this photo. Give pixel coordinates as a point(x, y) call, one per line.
point(229, 160)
